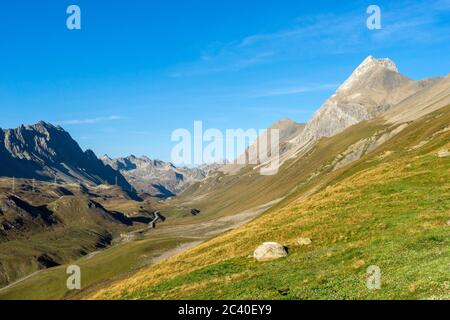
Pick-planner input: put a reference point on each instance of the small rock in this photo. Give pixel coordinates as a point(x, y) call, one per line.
point(269, 251)
point(304, 241)
point(284, 292)
point(443, 153)
point(448, 222)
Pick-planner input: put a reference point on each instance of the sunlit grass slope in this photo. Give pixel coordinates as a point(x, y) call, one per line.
point(390, 209)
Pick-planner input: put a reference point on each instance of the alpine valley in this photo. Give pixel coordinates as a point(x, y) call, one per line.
point(365, 182)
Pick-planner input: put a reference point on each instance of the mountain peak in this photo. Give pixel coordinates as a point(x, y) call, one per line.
point(105, 157)
point(44, 152)
point(374, 87)
point(371, 61)
point(282, 123)
point(42, 124)
point(367, 67)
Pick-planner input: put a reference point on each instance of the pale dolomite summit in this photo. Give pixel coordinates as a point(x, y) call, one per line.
point(366, 66)
point(374, 87)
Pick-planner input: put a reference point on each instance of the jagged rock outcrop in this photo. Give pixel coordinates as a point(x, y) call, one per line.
point(156, 177)
point(46, 152)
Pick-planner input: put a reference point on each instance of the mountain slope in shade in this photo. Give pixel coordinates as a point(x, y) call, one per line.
point(155, 177)
point(46, 152)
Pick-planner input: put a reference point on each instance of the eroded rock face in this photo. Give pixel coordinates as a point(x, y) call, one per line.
point(269, 251)
point(372, 89)
point(46, 152)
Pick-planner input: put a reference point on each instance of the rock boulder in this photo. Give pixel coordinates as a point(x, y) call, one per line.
point(269, 251)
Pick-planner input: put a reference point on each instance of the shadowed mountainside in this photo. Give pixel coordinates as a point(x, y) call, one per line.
point(48, 153)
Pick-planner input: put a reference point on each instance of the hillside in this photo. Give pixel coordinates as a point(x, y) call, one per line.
point(233, 189)
point(43, 225)
point(357, 216)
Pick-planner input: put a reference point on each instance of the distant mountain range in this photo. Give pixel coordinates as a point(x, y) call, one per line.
point(157, 177)
point(46, 152)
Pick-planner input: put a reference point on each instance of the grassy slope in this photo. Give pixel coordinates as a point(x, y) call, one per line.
point(18, 257)
point(97, 271)
point(225, 195)
point(389, 209)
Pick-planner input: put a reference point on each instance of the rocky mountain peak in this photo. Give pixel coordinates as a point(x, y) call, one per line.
point(47, 152)
point(105, 157)
point(156, 177)
point(282, 122)
point(371, 61)
point(373, 88)
point(366, 68)
point(288, 128)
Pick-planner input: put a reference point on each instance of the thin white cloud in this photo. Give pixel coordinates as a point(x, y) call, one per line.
point(292, 90)
point(404, 22)
point(280, 110)
point(91, 120)
point(230, 62)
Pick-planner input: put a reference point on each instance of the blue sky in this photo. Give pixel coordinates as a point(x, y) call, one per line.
point(140, 69)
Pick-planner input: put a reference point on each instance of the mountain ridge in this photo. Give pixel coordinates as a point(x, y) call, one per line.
point(156, 177)
point(372, 89)
point(46, 152)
